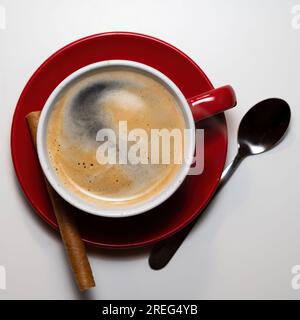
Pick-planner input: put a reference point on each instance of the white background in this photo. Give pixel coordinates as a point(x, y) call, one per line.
point(247, 244)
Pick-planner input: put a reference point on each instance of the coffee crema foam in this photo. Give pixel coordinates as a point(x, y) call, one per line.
point(100, 100)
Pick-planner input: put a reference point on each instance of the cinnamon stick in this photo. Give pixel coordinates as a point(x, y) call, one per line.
point(73, 243)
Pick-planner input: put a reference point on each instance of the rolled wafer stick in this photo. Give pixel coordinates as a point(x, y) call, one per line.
point(73, 243)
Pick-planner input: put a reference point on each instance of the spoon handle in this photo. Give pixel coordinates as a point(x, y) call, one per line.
point(228, 172)
point(164, 250)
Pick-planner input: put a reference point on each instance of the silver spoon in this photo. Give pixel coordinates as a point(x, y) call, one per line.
point(262, 127)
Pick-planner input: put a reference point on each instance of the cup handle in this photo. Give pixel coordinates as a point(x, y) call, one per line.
point(212, 102)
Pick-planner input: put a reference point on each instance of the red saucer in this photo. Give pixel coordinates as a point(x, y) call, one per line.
point(195, 192)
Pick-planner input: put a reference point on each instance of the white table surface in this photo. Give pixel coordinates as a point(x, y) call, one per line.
point(248, 243)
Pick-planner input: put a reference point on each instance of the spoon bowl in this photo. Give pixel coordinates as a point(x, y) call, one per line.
point(263, 126)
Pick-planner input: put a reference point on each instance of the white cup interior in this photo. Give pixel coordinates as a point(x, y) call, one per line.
point(111, 211)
